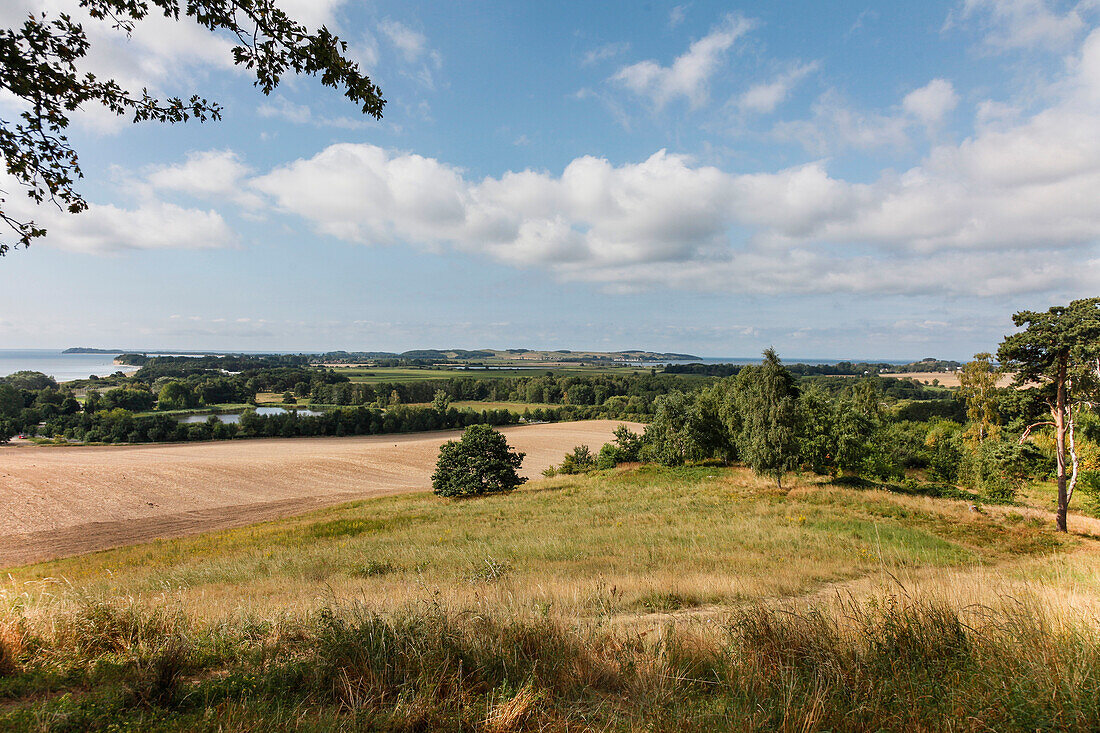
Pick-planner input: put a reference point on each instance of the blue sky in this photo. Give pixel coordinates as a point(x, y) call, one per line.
point(838, 180)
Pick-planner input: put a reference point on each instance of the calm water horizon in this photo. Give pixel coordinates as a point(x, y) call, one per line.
point(66, 367)
point(62, 367)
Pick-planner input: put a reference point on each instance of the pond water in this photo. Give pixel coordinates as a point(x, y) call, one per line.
point(235, 417)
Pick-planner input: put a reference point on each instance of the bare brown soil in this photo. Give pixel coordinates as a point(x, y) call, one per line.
point(946, 379)
point(59, 501)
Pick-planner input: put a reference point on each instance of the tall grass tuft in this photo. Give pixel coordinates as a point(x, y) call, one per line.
point(915, 665)
point(883, 663)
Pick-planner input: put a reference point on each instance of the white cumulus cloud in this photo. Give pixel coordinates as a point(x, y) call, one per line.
point(106, 228)
point(1011, 209)
point(689, 73)
point(931, 103)
point(212, 174)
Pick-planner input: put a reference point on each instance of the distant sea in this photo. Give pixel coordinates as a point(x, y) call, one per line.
point(65, 367)
point(62, 367)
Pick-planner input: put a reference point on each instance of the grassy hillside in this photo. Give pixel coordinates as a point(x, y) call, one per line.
point(643, 598)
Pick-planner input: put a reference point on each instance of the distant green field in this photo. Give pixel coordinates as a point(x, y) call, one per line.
point(404, 374)
point(519, 407)
point(204, 410)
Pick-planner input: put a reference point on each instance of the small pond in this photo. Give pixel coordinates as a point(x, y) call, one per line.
point(235, 417)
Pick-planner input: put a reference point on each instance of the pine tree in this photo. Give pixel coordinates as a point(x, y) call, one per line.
point(1057, 357)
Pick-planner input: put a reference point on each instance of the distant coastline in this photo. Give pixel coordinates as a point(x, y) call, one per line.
point(452, 354)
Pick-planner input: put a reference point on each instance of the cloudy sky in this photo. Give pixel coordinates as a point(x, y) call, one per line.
point(839, 180)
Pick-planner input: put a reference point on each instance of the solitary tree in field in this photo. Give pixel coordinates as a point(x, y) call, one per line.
point(42, 66)
point(978, 386)
point(767, 404)
point(481, 462)
point(1057, 357)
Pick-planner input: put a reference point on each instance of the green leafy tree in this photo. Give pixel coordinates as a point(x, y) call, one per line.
point(580, 460)
point(174, 396)
point(626, 447)
point(441, 401)
point(480, 462)
point(685, 427)
point(767, 403)
point(628, 443)
point(131, 399)
point(943, 448)
point(29, 380)
point(1057, 357)
point(865, 398)
point(69, 405)
point(818, 433)
point(978, 386)
point(580, 394)
point(11, 401)
point(608, 457)
point(92, 401)
point(42, 60)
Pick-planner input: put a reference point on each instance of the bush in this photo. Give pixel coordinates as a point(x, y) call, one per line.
point(481, 462)
point(943, 448)
point(610, 455)
point(998, 469)
point(580, 460)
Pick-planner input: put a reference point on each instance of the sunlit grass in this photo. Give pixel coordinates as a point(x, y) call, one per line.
point(704, 535)
point(638, 599)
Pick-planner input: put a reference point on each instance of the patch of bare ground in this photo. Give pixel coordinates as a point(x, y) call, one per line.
point(944, 379)
point(60, 501)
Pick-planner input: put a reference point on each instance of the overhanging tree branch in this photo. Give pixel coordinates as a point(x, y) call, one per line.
point(40, 65)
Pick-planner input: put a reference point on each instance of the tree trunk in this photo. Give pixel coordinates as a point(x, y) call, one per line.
point(1059, 414)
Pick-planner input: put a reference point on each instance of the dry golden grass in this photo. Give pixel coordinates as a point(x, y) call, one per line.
point(640, 599)
point(632, 544)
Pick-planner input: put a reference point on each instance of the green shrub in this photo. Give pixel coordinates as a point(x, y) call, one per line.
point(580, 460)
point(480, 462)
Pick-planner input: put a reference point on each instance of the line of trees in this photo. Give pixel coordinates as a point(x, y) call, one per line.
point(843, 368)
point(766, 419)
point(122, 426)
point(770, 421)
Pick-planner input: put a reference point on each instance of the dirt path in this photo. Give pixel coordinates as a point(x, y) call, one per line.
point(58, 501)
